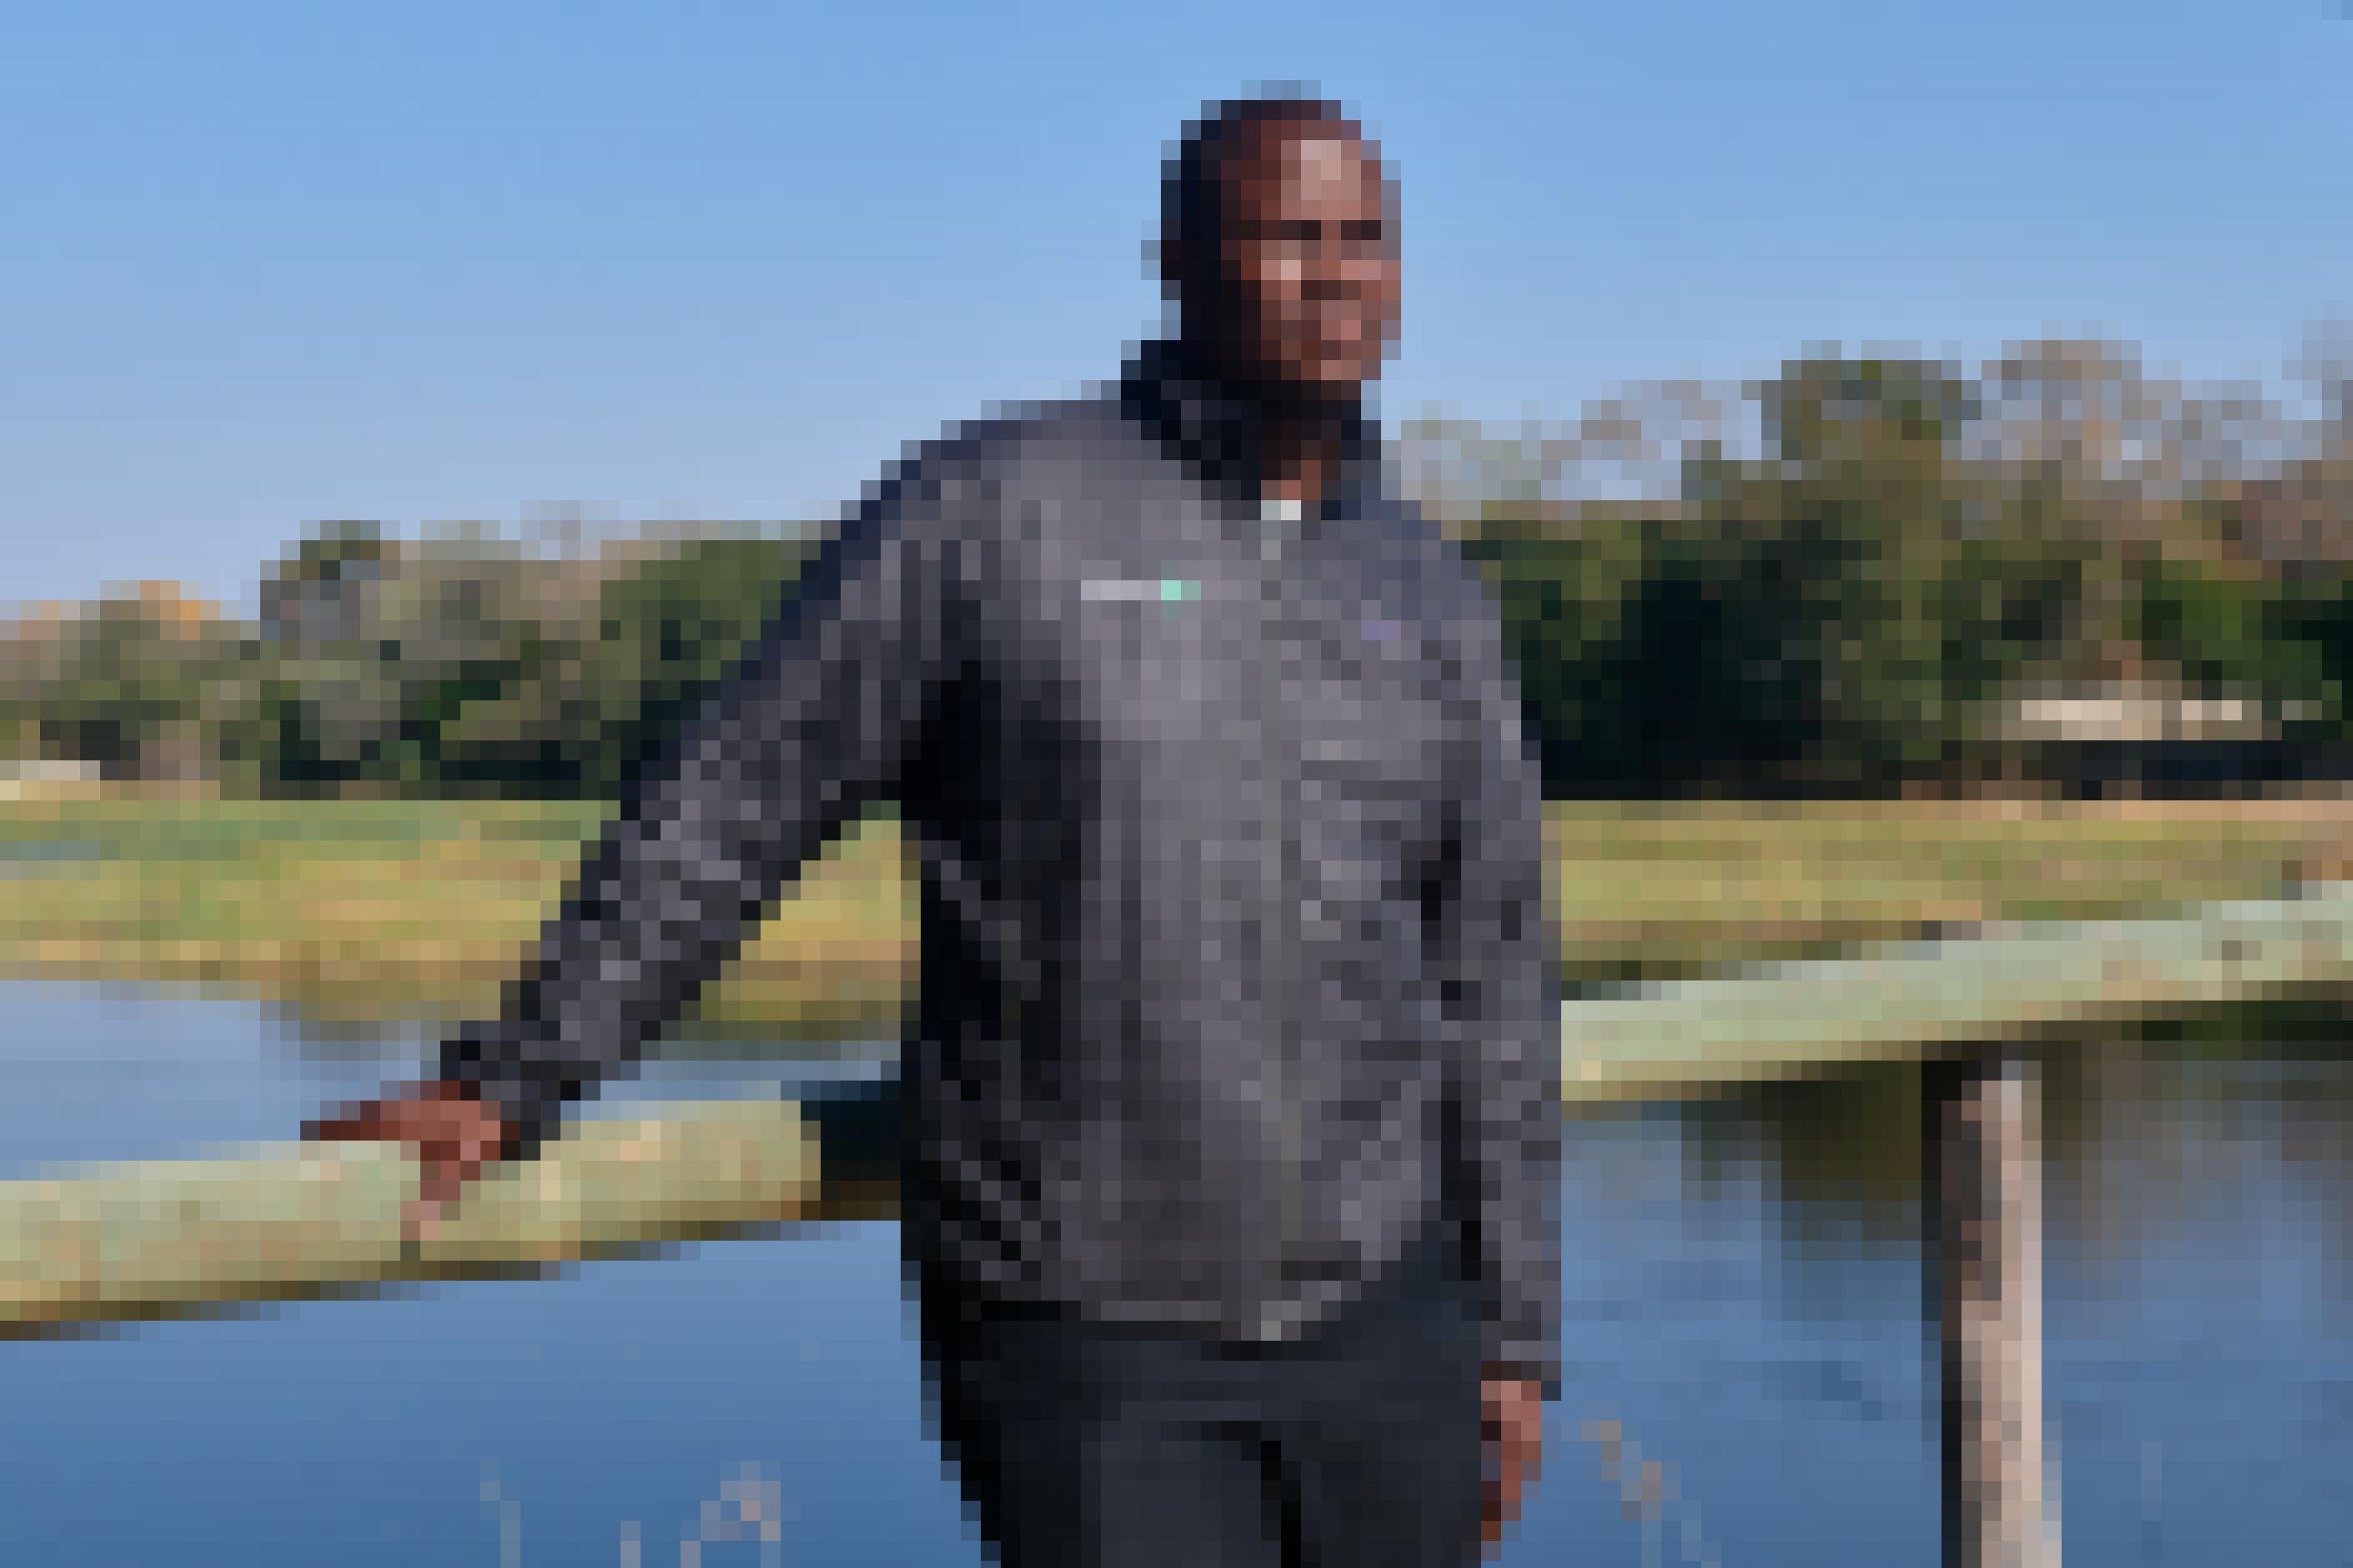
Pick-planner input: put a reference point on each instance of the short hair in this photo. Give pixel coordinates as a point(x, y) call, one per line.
point(1191, 180)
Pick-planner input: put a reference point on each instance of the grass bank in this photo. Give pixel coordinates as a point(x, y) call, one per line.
point(367, 910)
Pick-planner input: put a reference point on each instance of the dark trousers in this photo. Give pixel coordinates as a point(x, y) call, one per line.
point(1358, 1446)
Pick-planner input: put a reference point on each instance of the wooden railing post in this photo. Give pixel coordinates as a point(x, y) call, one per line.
point(1984, 1252)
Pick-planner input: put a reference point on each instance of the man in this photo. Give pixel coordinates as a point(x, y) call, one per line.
point(1230, 1180)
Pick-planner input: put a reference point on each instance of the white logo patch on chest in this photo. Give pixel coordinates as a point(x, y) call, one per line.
point(1139, 590)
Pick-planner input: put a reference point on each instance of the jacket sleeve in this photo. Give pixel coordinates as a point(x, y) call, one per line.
point(817, 720)
point(1502, 987)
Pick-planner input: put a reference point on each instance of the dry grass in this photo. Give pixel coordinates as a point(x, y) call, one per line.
point(1666, 890)
point(368, 909)
point(420, 909)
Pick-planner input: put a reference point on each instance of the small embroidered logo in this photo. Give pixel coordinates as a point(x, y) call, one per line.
point(1140, 590)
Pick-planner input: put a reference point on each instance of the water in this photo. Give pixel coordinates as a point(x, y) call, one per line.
point(1744, 1305)
point(38, 856)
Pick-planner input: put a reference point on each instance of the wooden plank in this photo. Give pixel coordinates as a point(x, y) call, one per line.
point(286, 1221)
point(1927, 997)
point(1985, 1182)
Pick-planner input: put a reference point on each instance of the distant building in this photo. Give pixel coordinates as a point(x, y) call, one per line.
point(2152, 740)
point(2142, 714)
point(39, 775)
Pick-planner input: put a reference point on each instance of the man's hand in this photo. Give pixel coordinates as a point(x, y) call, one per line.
point(1515, 1429)
point(452, 1134)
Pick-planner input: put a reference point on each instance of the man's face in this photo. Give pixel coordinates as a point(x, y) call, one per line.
point(1307, 278)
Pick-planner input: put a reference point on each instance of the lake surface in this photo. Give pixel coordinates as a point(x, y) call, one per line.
point(1744, 1302)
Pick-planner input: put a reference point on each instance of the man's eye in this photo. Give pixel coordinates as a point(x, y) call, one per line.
point(1267, 232)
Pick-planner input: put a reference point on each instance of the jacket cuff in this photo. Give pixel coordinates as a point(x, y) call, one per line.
point(484, 1062)
point(1512, 1357)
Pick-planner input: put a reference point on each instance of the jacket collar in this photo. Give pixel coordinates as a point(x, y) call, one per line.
point(1213, 430)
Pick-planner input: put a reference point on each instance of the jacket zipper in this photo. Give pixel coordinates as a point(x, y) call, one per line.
point(1277, 885)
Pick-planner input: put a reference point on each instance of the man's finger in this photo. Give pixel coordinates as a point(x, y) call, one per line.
point(360, 1123)
point(420, 1221)
point(1515, 1446)
point(446, 1175)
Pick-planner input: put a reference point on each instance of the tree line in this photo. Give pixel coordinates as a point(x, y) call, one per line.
point(1866, 600)
point(377, 665)
point(1846, 578)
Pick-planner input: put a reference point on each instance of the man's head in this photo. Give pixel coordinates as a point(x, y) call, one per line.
point(1279, 244)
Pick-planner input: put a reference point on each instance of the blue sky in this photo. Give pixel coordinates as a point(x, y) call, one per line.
point(262, 265)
